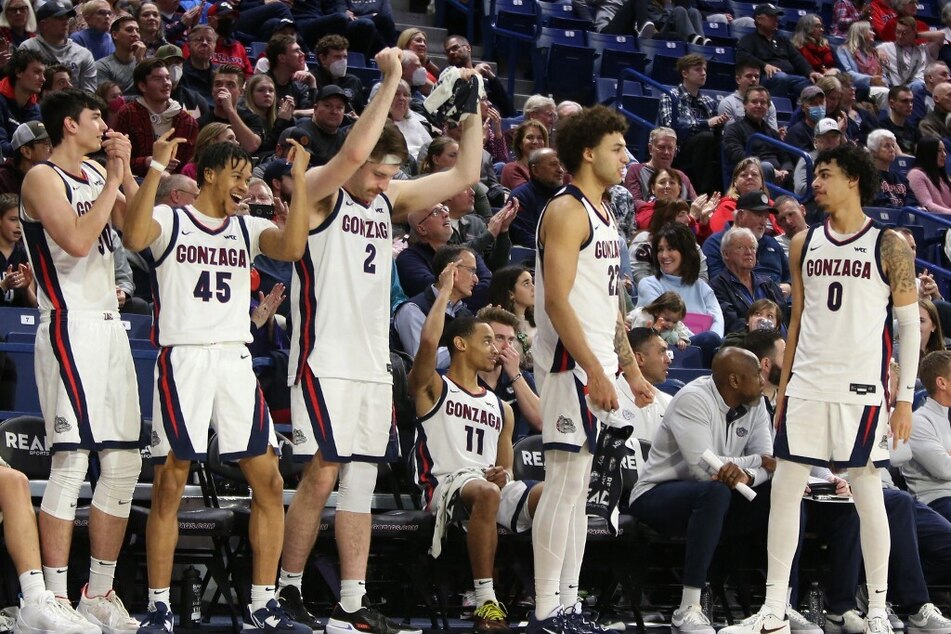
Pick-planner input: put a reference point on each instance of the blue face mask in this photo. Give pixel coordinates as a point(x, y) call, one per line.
point(817, 112)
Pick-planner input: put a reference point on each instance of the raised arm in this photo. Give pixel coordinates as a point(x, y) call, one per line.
point(288, 244)
point(325, 181)
point(424, 382)
point(140, 229)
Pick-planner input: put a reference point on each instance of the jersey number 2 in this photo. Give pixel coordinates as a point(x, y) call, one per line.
point(368, 265)
point(221, 291)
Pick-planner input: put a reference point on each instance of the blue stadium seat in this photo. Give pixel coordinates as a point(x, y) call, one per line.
point(607, 90)
point(578, 84)
point(741, 9)
point(367, 76)
point(615, 53)
point(669, 48)
point(137, 326)
point(18, 319)
point(791, 17)
point(510, 122)
point(516, 23)
point(689, 357)
point(356, 59)
point(739, 31)
point(721, 76)
point(902, 164)
point(522, 255)
point(724, 54)
point(884, 215)
point(256, 50)
point(561, 14)
point(783, 105)
point(717, 30)
point(686, 374)
point(469, 9)
point(550, 35)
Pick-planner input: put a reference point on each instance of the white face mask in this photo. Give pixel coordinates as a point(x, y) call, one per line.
point(338, 68)
point(175, 74)
point(419, 77)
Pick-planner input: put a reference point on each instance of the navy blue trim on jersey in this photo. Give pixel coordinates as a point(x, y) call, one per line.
point(172, 241)
point(62, 177)
point(225, 223)
point(173, 420)
point(878, 254)
point(307, 303)
point(424, 466)
point(442, 398)
point(562, 360)
point(588, 421)
point(44, 270)
point(72, 381)
point(320, 423)
point(242, 224)
point(472, 394)
point(522, 500)
point(258, 439)
point(855, 236)
point(329, 220)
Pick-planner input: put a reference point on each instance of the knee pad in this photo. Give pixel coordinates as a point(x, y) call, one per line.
point(355, 491)
point(62, 490)
point(120, 472)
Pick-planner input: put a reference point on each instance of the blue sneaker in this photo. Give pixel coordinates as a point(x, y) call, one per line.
point(272, 619)
point(578, 622)
point(556, 623)
point(158, 621)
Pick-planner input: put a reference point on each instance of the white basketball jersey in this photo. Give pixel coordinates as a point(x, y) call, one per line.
point(65, 282)
point(340, 295)
point(594, 296)
point(201, 276)
point(845, 333)
point(460, 432)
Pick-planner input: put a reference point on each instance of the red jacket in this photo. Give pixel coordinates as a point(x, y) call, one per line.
point(819, 57)
point(133, 119)
point(880, 13)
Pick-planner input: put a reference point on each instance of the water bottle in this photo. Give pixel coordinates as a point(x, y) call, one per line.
point(190, 604)
point(815, 601)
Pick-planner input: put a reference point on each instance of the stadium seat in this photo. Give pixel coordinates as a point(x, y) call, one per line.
point(516, 23)
point(558, 49)
point(18, 319)
point(615, 53)
point(522, 255)
point(884, 215)
point(356, 59)
point(469, 9)
point(561, 14)
point(689, 357)
point(741, 9)
point(137, 326)
point(718, 31)
point(902, 164)
point(723, 54)
point(367, 76)
point(607, 90)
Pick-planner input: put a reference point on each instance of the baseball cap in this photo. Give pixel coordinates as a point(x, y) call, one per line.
point(754, 201)
point(28, 133)
point(810, 92)
point(169, 51)
point(332, 90)
point(295, 133)
point(827, 125)
point(767, 9)
point(222, 8)
point(284, 22)
point(54, 9)
point(276, 169)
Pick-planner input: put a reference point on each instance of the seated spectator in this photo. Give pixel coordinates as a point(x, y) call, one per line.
point(893, 190)
point(932, 335)
point(227, 87)
point(129, 51)
point(17, 287)
point(791, 218)
point(430, 231)
point(897, 118)
point(17, 22)
point(752, 212)
point(928, 178)
point(228, 50)
point(261, 99)
point(677, 21)
point(442, 154)
point(282, 148)
point(380, 13)
point(214, 132)
point(19, 94)
point(414, 39)
point(197, 70)
point(332, 51)
point(96, 37)
point(459, 54)
point(763, 314)
point(542, 109)
point(676, 266)
point(513, 289)
point(194, 104)
point(662, 148)
point(663, 185)
point(880, 13)
point(510, 380)
point(787, 71)
point(528, 137)
point(178, 190)
point(409, 318)
point(52, 20)
point(414, 127)
point(150, 28)
point(828, 135)
point(666, 211)
point(747, 177)
point(694, 117)
point(678, 494)
point(30, 145)
point(547, 177)
point(747, 74)
point(860, 117)
point(812, 102)
point(776, 164)
point(653, 357)
point(415, 75)
point(928, 473)
point(152, 115)
point(56, 77)
point(177, 21)
point(665, 316)
point(323, 129)
point(287, 69)
point(935, 122)
point(904, 59)
point(860, 59)
point(905, 8)
point(738, 286)
point(812, 44)
point(935, 73)
point(490, 240)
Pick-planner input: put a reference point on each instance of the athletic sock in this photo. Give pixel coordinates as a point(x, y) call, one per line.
point(352, 592)
point(260, 595)
point(690, 596)
point(290, 579)
point(484, 591)
point(101, 575)
point(55, 578)
point(159, 595)
point(32, 584)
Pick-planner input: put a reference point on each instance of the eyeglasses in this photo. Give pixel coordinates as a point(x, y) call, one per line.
point(17, 9)
point(473, 270)
point(185, 191)
point(435, 213)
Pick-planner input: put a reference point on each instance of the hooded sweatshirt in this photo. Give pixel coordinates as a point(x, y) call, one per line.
point(79, 61)
point(12, 115)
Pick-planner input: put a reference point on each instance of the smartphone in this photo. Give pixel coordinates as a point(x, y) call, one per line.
point(261, 211)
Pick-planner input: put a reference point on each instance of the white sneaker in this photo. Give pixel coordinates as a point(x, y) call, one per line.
point(897, 624)
point(8, 618)
point(690, 619)
point(48, 615)
point(762, 622)
point(107, 612)
point(850, 622)
point(799, 623)
point(647, 31)
point(928, 620)
point(878, 625)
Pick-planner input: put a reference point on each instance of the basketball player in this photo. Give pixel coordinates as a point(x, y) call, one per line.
point(201, 257)
point(580, 342)
point(84, 371)
point(847, 275)
point(464, 444)
point(341, 386)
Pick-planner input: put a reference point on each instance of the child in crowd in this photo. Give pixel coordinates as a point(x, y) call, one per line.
point(665, 315)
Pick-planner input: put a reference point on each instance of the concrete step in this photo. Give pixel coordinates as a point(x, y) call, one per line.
point(435, 35)
point(401, 16)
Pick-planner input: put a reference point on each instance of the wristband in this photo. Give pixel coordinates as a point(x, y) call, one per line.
point(515, 378)
point(158, 167)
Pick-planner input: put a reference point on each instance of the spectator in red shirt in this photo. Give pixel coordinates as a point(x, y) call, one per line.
point(152, 114)
point(812, 43)
point(880, 13)
point(903, 8)
point(228, 50)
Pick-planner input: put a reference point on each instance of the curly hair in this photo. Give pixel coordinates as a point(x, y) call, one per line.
point(221, 155)
point(585, 131)
point(679, 238)
point(855, 163)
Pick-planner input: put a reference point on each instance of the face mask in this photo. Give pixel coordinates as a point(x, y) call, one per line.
point(338, 68)
point(225, 28)
point(817, 112)
point(175, 74)
point(419, 77)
